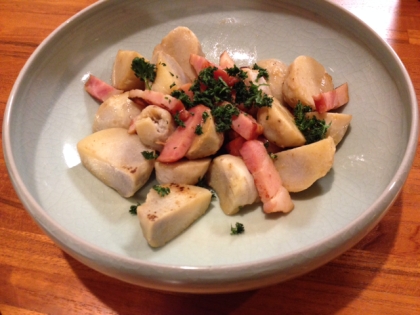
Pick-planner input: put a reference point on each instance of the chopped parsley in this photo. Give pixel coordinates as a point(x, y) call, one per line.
point(205, 116)
point(210, 91)
point(133, 208)
point(223, 116)
point(313, 129)
point(273, 156)
point(178, 120)
point(150, 155)
point(237, 229)
point(237, 72)
point(172, 85)
point(251, 96)
point(262, 73)
point(183, 97)
point(162, 191)
point(199, 130)
point(144, 70)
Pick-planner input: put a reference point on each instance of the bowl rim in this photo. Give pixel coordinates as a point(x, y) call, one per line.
point(224, 278)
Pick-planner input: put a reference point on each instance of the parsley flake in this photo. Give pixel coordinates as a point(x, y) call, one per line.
point(144, 70)
point(162, 191)
point(150, 155)
point(313, 129)
point(237, 229)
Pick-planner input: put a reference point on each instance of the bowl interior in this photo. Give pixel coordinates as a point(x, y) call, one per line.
point(49, 112)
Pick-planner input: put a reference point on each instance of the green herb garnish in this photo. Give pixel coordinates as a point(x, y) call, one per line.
point(144, 70)
point(223, 116)
point(150, 155)
point(133, 208)
point(162, 191)
point(313, 129)
point(178, 120)
point(205, 116)
point(199, 130)
point(237, 229)
point(183, 97)
point(236, 72)
point(262, 73)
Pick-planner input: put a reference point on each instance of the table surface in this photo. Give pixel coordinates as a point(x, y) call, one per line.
point(380, 275)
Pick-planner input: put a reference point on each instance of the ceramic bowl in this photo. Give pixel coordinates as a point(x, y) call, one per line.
point(49, 112)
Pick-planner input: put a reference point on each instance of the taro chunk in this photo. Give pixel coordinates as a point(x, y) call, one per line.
point(115, 157)
point(164, 216)
point(300, 167)
point(305, 78)
point(116, 111)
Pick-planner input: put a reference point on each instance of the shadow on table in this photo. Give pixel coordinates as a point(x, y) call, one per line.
point(323, 291)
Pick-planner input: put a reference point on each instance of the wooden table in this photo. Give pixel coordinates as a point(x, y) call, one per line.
point(380, 275)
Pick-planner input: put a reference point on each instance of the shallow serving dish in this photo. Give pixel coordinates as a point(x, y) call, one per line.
point(49, 112)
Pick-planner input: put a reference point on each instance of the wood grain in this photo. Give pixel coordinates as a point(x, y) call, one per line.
point(380, 275)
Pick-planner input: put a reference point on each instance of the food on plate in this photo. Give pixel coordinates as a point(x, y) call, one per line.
point(116, 111)
point(180, 43)
point(188, 172)
point(99, 89)
point(305, 78)
point(256, 133)
point(169, 74)
point(300, 167)
point(115, 157)
point(279, 126)
point(165, 215)
point(276, 70)
point(338, 124)
point(208, 142)
point(274, 196)
point(232, 182)
point(123, 78)
point(153, 126)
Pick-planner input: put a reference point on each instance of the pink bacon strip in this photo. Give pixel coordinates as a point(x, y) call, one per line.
point(267, 180)
point(99, 89)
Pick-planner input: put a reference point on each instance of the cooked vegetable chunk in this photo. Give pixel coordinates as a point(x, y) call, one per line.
point(180, 43)
point(117, 111)
point(305, 78)
point(162, 218)
point(279, 126)
point(276, 72)
point(123, 77)
point(300, 167)
point(233, 183)
point(169, 74)
point(115, 157)
point(153, 126)
point(338, 124)
point(181, 172)
point(207, 141)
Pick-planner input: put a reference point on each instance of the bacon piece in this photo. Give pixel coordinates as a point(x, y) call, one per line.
point(168, 102)
point(327, 101)
point(246, 126)
point(226, 60)
point(181, 139)
point(233, 146)
point(99, 89)
point(200, 63)
point(186, 89)
point(267, 180)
